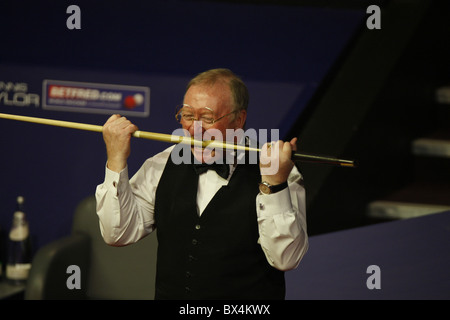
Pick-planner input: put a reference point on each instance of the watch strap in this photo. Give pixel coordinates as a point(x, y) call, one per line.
point(279, 187)
point(266, 188)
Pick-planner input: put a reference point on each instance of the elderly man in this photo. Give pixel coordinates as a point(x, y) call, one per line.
point(229, 234)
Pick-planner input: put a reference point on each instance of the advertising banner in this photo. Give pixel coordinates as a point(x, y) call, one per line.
point(95, 97)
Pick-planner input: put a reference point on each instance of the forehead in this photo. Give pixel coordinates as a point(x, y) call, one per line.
point(215, 97)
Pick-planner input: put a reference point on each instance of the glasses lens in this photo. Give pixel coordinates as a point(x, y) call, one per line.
point(206, 116)
point(186, 114)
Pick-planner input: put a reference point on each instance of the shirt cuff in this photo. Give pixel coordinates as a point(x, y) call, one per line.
point(113, 180)
point(275, 203)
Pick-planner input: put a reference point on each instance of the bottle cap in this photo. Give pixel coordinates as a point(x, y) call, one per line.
point(20, 200)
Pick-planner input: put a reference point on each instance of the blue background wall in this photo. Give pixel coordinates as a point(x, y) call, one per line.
point(282, 52)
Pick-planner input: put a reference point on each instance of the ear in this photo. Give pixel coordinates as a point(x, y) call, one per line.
point(240, 119)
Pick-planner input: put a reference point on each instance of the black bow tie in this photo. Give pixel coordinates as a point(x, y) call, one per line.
point(222, 170)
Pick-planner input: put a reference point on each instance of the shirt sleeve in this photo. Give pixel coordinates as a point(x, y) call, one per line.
point(282, 224)
point(125, 207)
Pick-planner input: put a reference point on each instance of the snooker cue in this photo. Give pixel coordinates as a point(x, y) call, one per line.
point(177, 139)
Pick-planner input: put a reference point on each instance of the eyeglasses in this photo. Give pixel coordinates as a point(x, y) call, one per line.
point(185, 114)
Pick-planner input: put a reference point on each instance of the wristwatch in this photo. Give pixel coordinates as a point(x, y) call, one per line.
point(266, 188)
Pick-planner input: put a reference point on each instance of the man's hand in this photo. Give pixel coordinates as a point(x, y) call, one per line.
point(274, 153)
point(117, 132)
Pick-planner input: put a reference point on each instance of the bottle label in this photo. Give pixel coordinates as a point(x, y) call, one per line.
point(18, 271)
point(19, 233)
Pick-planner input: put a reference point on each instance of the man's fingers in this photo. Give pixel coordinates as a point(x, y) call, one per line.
point(287, 148)
point(293, 143)
point(118, 123)
point(112, 118)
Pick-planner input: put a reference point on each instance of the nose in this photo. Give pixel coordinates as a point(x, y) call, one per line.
point(196, 130)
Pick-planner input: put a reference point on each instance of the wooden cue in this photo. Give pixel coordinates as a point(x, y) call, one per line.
point(175, 139)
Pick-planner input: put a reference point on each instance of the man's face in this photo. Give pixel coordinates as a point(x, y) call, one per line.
point(218, 99)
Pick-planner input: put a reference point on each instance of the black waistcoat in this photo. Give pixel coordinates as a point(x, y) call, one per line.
point(215, 255)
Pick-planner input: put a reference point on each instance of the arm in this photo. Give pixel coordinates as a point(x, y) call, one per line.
point(125, 207)
point(282, 224)
point(125, 211)
point(281, 215)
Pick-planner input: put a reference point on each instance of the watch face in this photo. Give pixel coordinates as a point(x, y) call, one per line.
point(264, 188)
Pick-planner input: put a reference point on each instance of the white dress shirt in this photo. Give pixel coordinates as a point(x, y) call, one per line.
point(125, 208)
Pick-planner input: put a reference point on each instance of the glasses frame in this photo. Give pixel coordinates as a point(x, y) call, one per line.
point(180, 107)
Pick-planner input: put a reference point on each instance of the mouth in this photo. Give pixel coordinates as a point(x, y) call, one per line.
point(203, 154)
point(202, 150)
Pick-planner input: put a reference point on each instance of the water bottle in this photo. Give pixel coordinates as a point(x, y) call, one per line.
point(18, 262)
